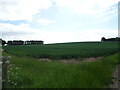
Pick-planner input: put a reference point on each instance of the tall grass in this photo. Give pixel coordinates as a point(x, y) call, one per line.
point(33, 73)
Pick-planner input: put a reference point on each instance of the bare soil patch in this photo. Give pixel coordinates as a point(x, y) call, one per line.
point(115, 78)
point(45, 59)
point(91, 59)
point(74, 61)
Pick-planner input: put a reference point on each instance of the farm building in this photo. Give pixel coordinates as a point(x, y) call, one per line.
point(15, 42)
point(20, 42)
point(33, 42)
point(9, 42)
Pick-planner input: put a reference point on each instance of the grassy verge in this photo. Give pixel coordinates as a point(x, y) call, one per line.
point(30, 73)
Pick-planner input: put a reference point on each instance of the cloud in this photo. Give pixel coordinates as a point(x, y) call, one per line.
point(24, 32)
point(105, 15)
point(78, 25)
point(22, 9)
point(30, 10)
point(45, 21)
point(83, 7)
point(10, 31)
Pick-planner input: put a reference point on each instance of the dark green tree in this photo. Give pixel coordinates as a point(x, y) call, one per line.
point(103, 39)
point(3, 42)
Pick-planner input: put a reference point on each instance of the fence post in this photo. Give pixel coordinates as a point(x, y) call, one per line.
point(0, 64)
point(4, 71)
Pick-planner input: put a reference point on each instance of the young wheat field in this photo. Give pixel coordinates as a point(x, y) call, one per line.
point(50, 66)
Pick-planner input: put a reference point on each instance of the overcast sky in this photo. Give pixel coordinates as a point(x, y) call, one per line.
point(56, 21)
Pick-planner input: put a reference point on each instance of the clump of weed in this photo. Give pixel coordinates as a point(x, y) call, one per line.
point(15, 78)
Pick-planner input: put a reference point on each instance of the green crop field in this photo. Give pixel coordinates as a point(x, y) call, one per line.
point(27, 69)
point(65, 50)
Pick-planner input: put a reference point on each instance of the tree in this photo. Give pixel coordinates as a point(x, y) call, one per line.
point(3, 42)
point(103, 39)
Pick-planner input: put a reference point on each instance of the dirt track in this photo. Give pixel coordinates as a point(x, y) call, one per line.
point(116, 78)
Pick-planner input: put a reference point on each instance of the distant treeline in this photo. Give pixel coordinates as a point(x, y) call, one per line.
point(20, 42)
point(110, 39)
